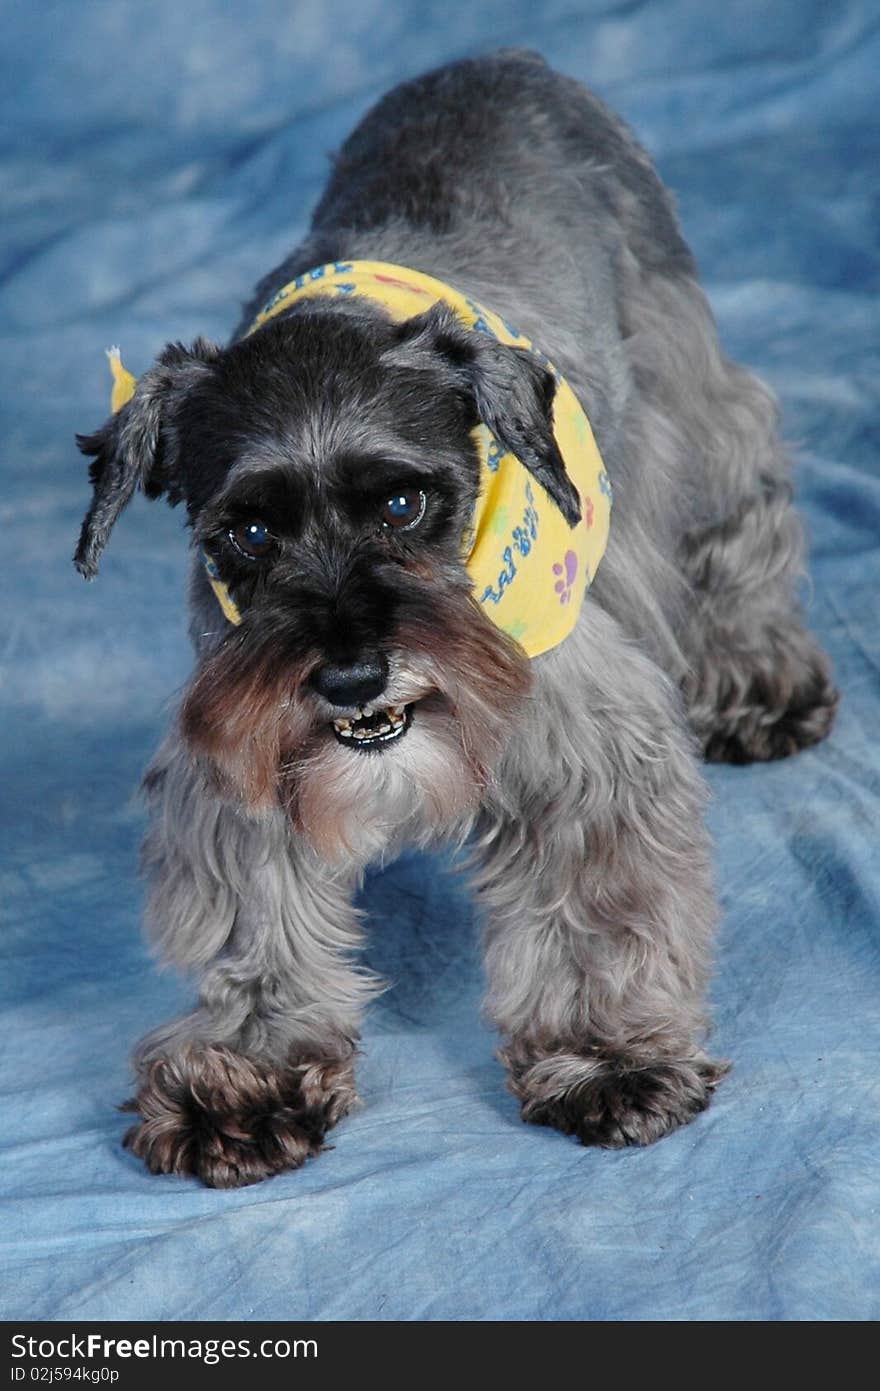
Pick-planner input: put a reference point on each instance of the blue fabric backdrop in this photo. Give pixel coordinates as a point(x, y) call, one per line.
point(156, 159)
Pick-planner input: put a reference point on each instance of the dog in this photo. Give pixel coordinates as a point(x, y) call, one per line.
point(356, 688)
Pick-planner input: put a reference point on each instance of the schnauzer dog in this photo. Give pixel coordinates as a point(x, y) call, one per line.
point(359, 684)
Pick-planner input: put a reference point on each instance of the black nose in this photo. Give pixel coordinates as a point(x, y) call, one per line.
point(352, 685)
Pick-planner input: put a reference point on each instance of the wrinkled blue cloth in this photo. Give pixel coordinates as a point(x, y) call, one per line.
point(159, 158)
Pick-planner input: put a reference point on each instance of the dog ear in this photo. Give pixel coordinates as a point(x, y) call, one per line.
point(511, 391)
point(135, 448)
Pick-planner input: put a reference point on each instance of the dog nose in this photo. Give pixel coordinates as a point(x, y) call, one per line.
point(353, 685)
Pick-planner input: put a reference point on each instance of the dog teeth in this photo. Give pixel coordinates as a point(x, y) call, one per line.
point(382, 724)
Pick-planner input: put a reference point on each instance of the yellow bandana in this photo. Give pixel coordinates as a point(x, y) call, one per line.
point(529, 568)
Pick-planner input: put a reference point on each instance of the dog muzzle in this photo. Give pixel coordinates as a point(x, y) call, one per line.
point(530, 570)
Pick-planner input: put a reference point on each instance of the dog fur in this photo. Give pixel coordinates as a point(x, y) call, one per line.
point(574, 777)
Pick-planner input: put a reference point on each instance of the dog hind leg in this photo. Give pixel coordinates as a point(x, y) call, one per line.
point(758, 686)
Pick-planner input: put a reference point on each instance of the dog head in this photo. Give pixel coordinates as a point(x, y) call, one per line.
point(328, 468)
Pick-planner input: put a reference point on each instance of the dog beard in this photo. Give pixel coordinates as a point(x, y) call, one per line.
point(251, 718)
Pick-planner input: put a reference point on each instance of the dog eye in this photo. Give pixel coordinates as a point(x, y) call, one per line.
point(404, 510)
point(252, 539)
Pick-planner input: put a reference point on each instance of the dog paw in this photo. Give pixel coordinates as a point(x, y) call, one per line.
point(617, 1101)
point(759, 734)
point(230, 1120)
point(763, 705)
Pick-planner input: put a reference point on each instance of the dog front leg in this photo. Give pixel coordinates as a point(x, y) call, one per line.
point(601, 912)
point(248, 1083)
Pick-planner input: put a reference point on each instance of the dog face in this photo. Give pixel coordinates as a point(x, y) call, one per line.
point(328, 469)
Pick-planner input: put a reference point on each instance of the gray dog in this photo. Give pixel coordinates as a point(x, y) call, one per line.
point(356, 689)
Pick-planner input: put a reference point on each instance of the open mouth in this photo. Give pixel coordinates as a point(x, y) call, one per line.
point(372, 728)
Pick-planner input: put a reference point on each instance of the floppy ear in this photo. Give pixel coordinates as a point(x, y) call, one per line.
point(509, 388)
point(136, 447)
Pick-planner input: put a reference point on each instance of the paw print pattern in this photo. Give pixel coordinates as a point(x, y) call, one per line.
point(567, 573)
point(589, 511)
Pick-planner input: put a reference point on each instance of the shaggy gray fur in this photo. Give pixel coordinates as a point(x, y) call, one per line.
point(590, 855)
